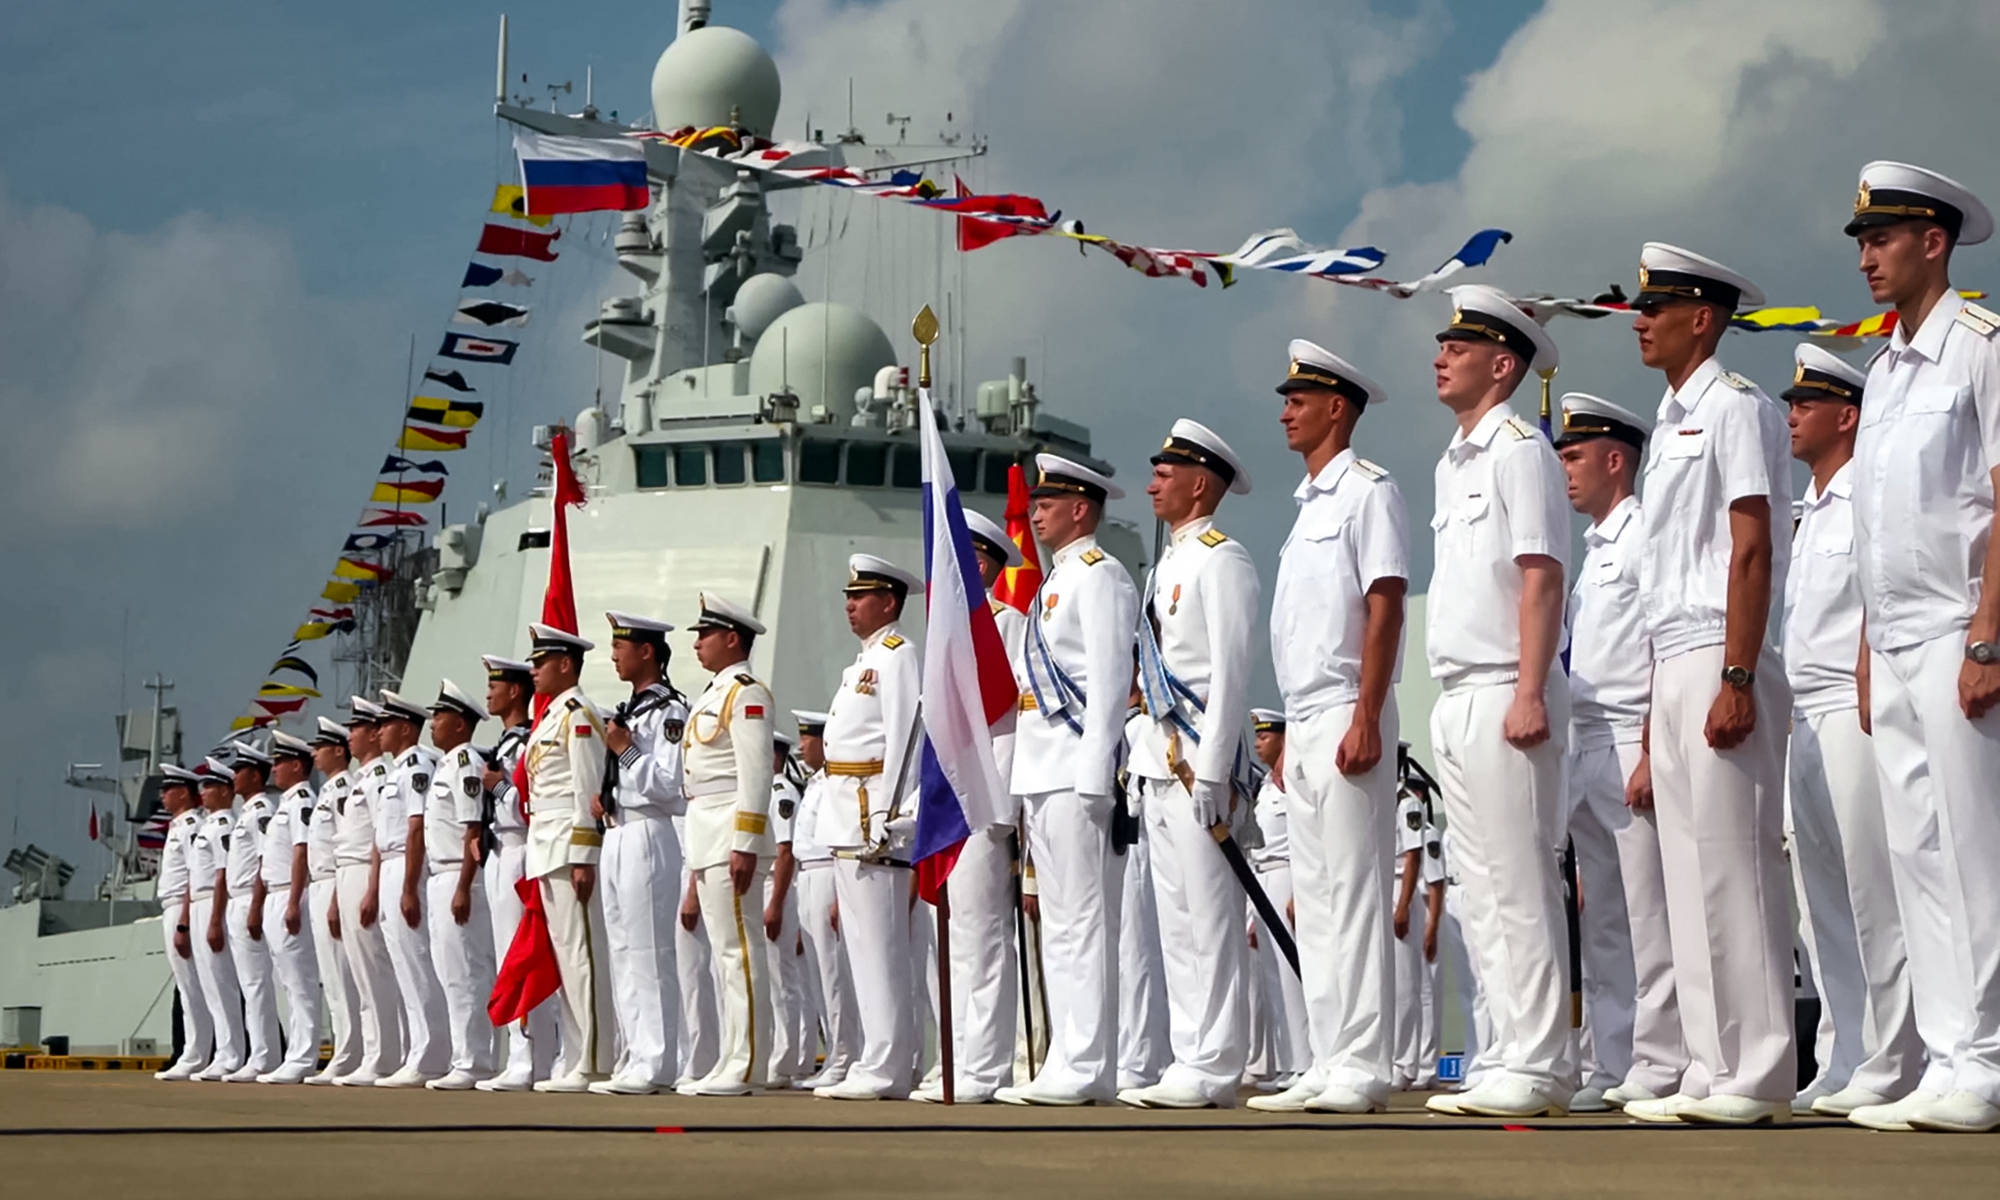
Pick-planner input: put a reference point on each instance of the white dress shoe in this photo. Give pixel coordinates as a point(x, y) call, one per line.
point(1626, 1093)
point(619, 1085)
point(1737, 1110)
point(177, 1073)
point(326, 1078)
point(1960, 1112)
point(408, 1077)
point(360, 1078)
point(1895, 1117)
point(1168, 1095)
point(575, 1082)
point(850, 1089)
point(724, 1087)
point(1842, 1102)
point(1802, 1104)
point(1446, 1103)
point(1589, 1100)
point(511, 1082)
point(243, 1074)
point(1042, 1097)
point(1339, 1098)
point(1508, 1097)
point(453, 1081)
point(214, 1073)
point(283, 1075)
point(813, 1083)
point(1292, 1099)
point(1666, 1110)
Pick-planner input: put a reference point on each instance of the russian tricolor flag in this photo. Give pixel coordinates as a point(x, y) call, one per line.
point(968, 682)
point(567, 175)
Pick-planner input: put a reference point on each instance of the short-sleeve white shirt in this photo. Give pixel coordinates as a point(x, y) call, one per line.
point(1610, 656)
point(1719, 440)
point(1501, 497)
point(1823, 601)
point(1923, 483)
point(1351, 531)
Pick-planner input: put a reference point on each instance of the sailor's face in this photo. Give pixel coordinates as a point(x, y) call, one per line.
point(1307, 416)
point(449, 729)
point(249, 781)
point(989, 567)
point(812, 750)
point(715, 649)
point(1467, 370)
point(287, 773)
point(175, 798)
point(331, 760)
point(553, 674)
point(1819, 426)
point(1587, 468)
point(1174, 489)
point(869, 611)
point(501, 695)
point(1896, 258)
point(1056, 519)
point(1270, 744)
point(628, 658)
point(215, 796)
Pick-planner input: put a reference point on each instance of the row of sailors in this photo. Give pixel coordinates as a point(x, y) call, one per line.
point(1670, 759)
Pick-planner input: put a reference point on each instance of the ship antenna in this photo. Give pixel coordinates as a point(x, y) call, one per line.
point(500, 68)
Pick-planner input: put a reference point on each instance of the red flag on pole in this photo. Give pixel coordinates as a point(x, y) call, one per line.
point(974, 233)
point(1017, 586)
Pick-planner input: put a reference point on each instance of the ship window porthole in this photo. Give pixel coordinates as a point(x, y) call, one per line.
point(867, 464)
point(767, 461)
point(996, 475)
point(909, 471)
point(819, 461)
point(691, 466)
point(651, 465)
point(729, 463)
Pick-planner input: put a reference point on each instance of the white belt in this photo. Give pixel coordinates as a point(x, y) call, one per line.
point(815, 864)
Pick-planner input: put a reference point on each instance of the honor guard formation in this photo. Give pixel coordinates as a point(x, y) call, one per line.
point(1732, 706)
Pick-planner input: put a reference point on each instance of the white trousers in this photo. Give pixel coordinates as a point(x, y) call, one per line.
point(216, 971)
point(576, 930)
point(929, 1065)
point(463, 955)
point(254, 975)
point(1077, 877)
point(742, 982)
point(641, 861)
point(1631, 1010)
point(875, 930)
point(197, 1024)
point(1478, 1043)
point(794, 1017)
point(839, 1012)
point(1847, 895)
point(367, 952)
point(985, 972)
point(1287, 1015)
point(1198, 904)
point(1416, 1023)
point(336, 978)
point(1342, 834)
point(426, 1044)
point(531, 1044)
point(701, 1016)
point(1936, 764)
point(1505, 808)
point(1145, 1046)
point(1721, 820)
point(296, 964)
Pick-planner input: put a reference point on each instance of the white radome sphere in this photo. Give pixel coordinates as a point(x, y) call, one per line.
point(762, 299)
point(708, 71)
point(823, 353)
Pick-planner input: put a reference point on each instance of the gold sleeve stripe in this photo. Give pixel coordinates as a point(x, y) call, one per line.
point(585, 837)
point(751, 823)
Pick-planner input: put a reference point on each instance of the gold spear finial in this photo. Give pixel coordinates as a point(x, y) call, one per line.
point(925, 329)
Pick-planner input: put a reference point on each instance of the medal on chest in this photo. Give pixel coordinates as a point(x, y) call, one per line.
point(864, 684)
point(1049, 606)
point(1174, 603)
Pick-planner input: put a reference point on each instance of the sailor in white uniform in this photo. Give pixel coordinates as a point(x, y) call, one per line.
point(208, 903)
point(985, 986)
point(870, 748)
point(727, 762)
point(256, 806)
point(1078, 662)
point(839, 1012)
point(1284, 998)
point(643, 793)
point(1636, 1051)
point(794, 1023)
point(336, 976)
point(1502, 724)
point(565, 771)
point(284, 880)
point(531, 1044)
point(1145, 1039)
point(1926, 468)
point(455, 904)
point(362, 940)
point(1420, 885)
point(399, 836)
point(1336, 638)
point(1196, 625)
point(184, 813)
point(1717, 491)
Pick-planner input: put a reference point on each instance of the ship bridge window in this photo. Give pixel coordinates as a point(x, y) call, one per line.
point(651, 463)
point(867, 464)
point(691, 466)
point(729, 463)
point(819, 461)
point(964, 468)
point(767, 460)
point(909, 471)
point(995, 482)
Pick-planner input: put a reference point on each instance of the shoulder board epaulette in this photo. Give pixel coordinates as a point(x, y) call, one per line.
point(1737, 381)
point(573, 704)
point(746, 679)
point(1213, 538)
point(1091, 558)
point(892, 641)
point(1521, 430)
point(464, 757)
point(1981, 321)
point(380, 770)
point(1369, 470)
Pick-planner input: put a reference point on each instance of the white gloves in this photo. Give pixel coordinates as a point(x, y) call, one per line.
point(1210, 801)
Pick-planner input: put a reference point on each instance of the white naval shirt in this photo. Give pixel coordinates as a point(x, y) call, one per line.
point(784, 814)
point(1610, 655)
point(869, 722)
point(1719, 440)
point(510, 816)
point(1085, 614)
point(807, 845)
point(322, 856)
point(565, 773)
point(354, 831)
point(1923, 485)
point(650, 777)
point(1271, 813)
point(289, 828)
point(1823, 601)
point(1203, 599)
point(1351, 531)
point(402, 797)
point(208, 850)
point(172, 883)
point(246, 841)
point(457, 793)
point(727, 766)
point(1501, 496)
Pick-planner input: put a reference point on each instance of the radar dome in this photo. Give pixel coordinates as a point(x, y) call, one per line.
point(707, 72)
point(822, 353)
point(761, 300)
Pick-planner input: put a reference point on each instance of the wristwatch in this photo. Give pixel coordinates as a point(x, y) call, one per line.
point(1983, 653)
point(1741, 677)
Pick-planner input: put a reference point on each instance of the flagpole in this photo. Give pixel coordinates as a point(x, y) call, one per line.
point(944, 990)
